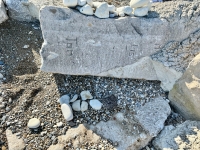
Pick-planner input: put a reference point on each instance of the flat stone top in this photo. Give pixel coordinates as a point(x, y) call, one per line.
point(85, 45)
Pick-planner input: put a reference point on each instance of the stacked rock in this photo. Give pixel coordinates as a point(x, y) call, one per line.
point(78, 105)
point(103, 10)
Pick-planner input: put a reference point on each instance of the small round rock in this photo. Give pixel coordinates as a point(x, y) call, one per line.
point(86, 95)
point(76, 105)
point(74, 98)
point(84, 106)
point(95, 104)
point(64, 99)
point(33, 123)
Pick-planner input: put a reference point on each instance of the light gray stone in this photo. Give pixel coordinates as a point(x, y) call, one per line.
point(14, 143)
point(1, 76)
point(81, 2)
point(87, 10)
point(90, 2)
point(80, 54)
point(67, 112)
point(111, 8)
point(84, 106)
point(131, 132)
point(95, 104)
point(102, 11)
point(76, 105)
point(140, 12)
point(125, 9)
point(86, 95)
point(70, 3)
point(184, 136)
point(74, 98)
point(3, 13)
point(64, 99)
point(33, 123)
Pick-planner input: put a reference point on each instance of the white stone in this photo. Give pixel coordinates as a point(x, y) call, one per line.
point(1, 76)
point(26, 46)
point(84, 106)
point(95, 104)
point(76, 105)
point(138, 3)
point(86, 95)
point(90, 2)
point(33, 123)
point(102, 11)
point(96, 4)
point(87, 10)
point(111, 8)
point(67, 112)
point(140, 12)
point(125, 9)
point(74, 98)
point(121, 14)
point(3, 14)
point(64, 99)
point(81, 2)
point(59, 124)
point(70, 3)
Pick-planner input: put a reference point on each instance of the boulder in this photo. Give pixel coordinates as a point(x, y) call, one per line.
point(185, 95)
point(28, 10)
point(3, 13)
point(14, 143)
point(135, 130)
point(184, 136)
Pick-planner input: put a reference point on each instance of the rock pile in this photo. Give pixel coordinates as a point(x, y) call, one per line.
point(137, 8)
point(78, 105)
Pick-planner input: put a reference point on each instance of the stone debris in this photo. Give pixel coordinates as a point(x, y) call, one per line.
point(86, 95)
point(3, 14)
point(67, 112)
point(64, 99)
point(74, 98)
point(14, 143)
point(184, 136)
point(95, 104)
point(33, 123)
point(185, 95)
point(76, 106)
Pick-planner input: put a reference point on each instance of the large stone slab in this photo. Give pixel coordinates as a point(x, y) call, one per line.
point(85, 45)
point(185, 95)
point(3, 13)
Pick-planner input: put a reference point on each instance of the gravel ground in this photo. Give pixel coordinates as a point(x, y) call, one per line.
point(26, 92)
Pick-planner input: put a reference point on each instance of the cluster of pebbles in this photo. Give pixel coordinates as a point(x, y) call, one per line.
point(137, 8)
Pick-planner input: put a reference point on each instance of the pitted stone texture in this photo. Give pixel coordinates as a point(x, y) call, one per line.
point(3, 14)
point(185, 95)
point(184, 136)
point(14, 143)
point(178, 55)
point(28, 10)
point(89, 52)
point(134, 131)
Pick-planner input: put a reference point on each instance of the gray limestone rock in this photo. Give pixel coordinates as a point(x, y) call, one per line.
point(184, 136)
point(134, 131)
point(101, 45)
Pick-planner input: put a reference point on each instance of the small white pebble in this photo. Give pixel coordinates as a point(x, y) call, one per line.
point(26, 46)
point(86, 95)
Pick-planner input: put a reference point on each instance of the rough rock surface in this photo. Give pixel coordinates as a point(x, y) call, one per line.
point(3, 14)
point(184, 136)
point(134, 131)
point(28, 10)
point(13, 142)
point(77, 136)
point(92, 48)
point(185, 95)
